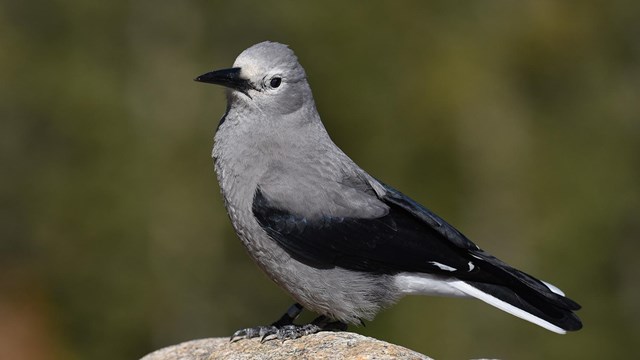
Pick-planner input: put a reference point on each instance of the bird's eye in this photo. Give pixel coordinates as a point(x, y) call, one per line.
point(275, 82)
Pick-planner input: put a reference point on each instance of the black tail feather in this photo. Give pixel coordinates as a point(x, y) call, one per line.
point(525, 292)
point(554, 312)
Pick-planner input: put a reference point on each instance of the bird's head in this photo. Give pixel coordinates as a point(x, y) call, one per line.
point(266, 77)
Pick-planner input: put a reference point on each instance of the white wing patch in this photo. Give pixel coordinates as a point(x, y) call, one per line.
point(442, 266)
point(471, 266)
point(553, 288)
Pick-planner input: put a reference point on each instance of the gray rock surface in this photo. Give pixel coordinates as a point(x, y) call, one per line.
point(324, 345)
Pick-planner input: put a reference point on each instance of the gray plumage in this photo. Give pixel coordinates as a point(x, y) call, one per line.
point(341, 243)
point(276, 141)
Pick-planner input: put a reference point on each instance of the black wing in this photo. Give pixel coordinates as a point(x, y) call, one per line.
point(402, 240)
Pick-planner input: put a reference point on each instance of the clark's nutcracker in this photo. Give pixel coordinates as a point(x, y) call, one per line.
point(340, 242)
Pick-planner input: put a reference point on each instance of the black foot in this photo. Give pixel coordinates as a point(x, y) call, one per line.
point(326, 324)
point(266, 333)
point(284, 329)
point(262, 331)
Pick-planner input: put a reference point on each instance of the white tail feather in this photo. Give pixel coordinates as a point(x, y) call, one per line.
point(504, 306)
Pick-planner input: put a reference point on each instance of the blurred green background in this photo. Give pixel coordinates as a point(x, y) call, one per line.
point(519, 122)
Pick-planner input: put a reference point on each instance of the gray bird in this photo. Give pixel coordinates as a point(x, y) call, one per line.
point(340, 242)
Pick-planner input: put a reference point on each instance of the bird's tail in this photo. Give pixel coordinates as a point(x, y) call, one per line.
point(524, 296)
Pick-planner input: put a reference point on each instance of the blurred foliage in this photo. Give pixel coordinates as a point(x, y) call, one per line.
point(519, 122)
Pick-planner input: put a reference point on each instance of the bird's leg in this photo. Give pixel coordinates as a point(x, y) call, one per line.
point(286, 320)
point(285, 329)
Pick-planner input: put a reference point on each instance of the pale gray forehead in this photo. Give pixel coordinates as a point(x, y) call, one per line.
point(268, 58)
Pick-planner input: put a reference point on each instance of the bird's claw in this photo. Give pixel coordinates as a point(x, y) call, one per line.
point(290, 332)
point(253, 332)
point(285, 329)
point(282, 333)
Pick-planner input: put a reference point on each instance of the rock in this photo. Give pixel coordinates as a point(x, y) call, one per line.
point(323, 345)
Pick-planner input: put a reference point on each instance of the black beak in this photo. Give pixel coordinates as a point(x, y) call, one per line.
point(227, 77)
